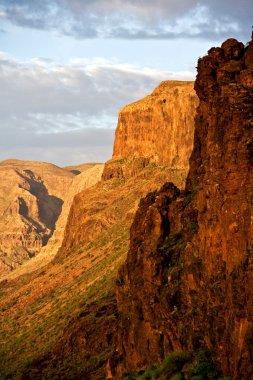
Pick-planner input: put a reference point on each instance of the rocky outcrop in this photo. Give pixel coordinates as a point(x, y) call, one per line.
point(187, 281)
point(160, 126)
point(140, 148)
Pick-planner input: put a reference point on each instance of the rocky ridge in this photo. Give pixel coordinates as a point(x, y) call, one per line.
point(80, 182)
point(187, 282)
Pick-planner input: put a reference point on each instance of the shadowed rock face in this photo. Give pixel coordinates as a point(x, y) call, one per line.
point(84, 180)
point(188, 278)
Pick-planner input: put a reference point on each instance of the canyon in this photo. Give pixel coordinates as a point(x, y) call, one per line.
point(35, 199)
point(152, 259)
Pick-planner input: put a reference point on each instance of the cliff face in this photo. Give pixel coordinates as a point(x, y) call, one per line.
point(187, 281)
point(154, 135)
point(160, 126)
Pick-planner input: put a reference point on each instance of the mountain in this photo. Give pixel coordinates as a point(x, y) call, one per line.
point(59, 320)
point(187, 281)
point(32, 197)
point(159, 126)
point(134, 172)
point(77, 169)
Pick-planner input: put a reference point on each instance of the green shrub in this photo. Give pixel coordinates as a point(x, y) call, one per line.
point(204, 368)
point(178, 376)
point(174, 362)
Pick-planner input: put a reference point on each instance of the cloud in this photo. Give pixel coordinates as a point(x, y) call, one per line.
point(143, 19)
point(62, 148)
point(67, 113)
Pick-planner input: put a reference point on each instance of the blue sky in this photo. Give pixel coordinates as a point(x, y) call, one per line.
point(68, 66)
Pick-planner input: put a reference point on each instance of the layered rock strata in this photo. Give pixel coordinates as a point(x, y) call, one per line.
point(160, 126)
point(141, 147)
point(32, 197)
point(187, 282)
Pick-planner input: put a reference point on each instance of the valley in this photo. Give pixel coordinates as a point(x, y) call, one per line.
point(148, 269)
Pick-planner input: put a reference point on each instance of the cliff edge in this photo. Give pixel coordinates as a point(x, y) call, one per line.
point(156, 129)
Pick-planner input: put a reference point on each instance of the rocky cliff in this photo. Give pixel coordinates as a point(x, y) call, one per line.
point(160, 126)
point(141, 142)
point(187, 282)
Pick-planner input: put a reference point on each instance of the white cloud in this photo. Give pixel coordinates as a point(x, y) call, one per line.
point(67, 111)
point(133, 19)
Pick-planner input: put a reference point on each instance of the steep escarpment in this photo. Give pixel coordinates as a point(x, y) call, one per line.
point(187, 282)
point(160, 126)
point(153, 141)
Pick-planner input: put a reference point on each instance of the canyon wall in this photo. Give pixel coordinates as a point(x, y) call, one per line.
point(154, 137)
point(160, 126)
point(32, 197)
point(79, 183)
point(187, 282)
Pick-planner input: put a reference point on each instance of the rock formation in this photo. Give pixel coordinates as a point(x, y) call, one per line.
point(141, 141)
point(187, 281)
point(160, 126)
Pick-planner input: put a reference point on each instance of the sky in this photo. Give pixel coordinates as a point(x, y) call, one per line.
point(68, 66)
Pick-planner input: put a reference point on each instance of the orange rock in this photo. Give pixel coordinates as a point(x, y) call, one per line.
point(160, 126)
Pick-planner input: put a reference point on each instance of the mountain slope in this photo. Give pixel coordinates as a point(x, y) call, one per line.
point(35, 199)
point(44, 307)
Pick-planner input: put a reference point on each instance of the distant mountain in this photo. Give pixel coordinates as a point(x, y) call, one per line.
point(32, 195)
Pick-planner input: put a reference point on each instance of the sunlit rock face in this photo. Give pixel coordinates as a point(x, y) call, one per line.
point(160, 126)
